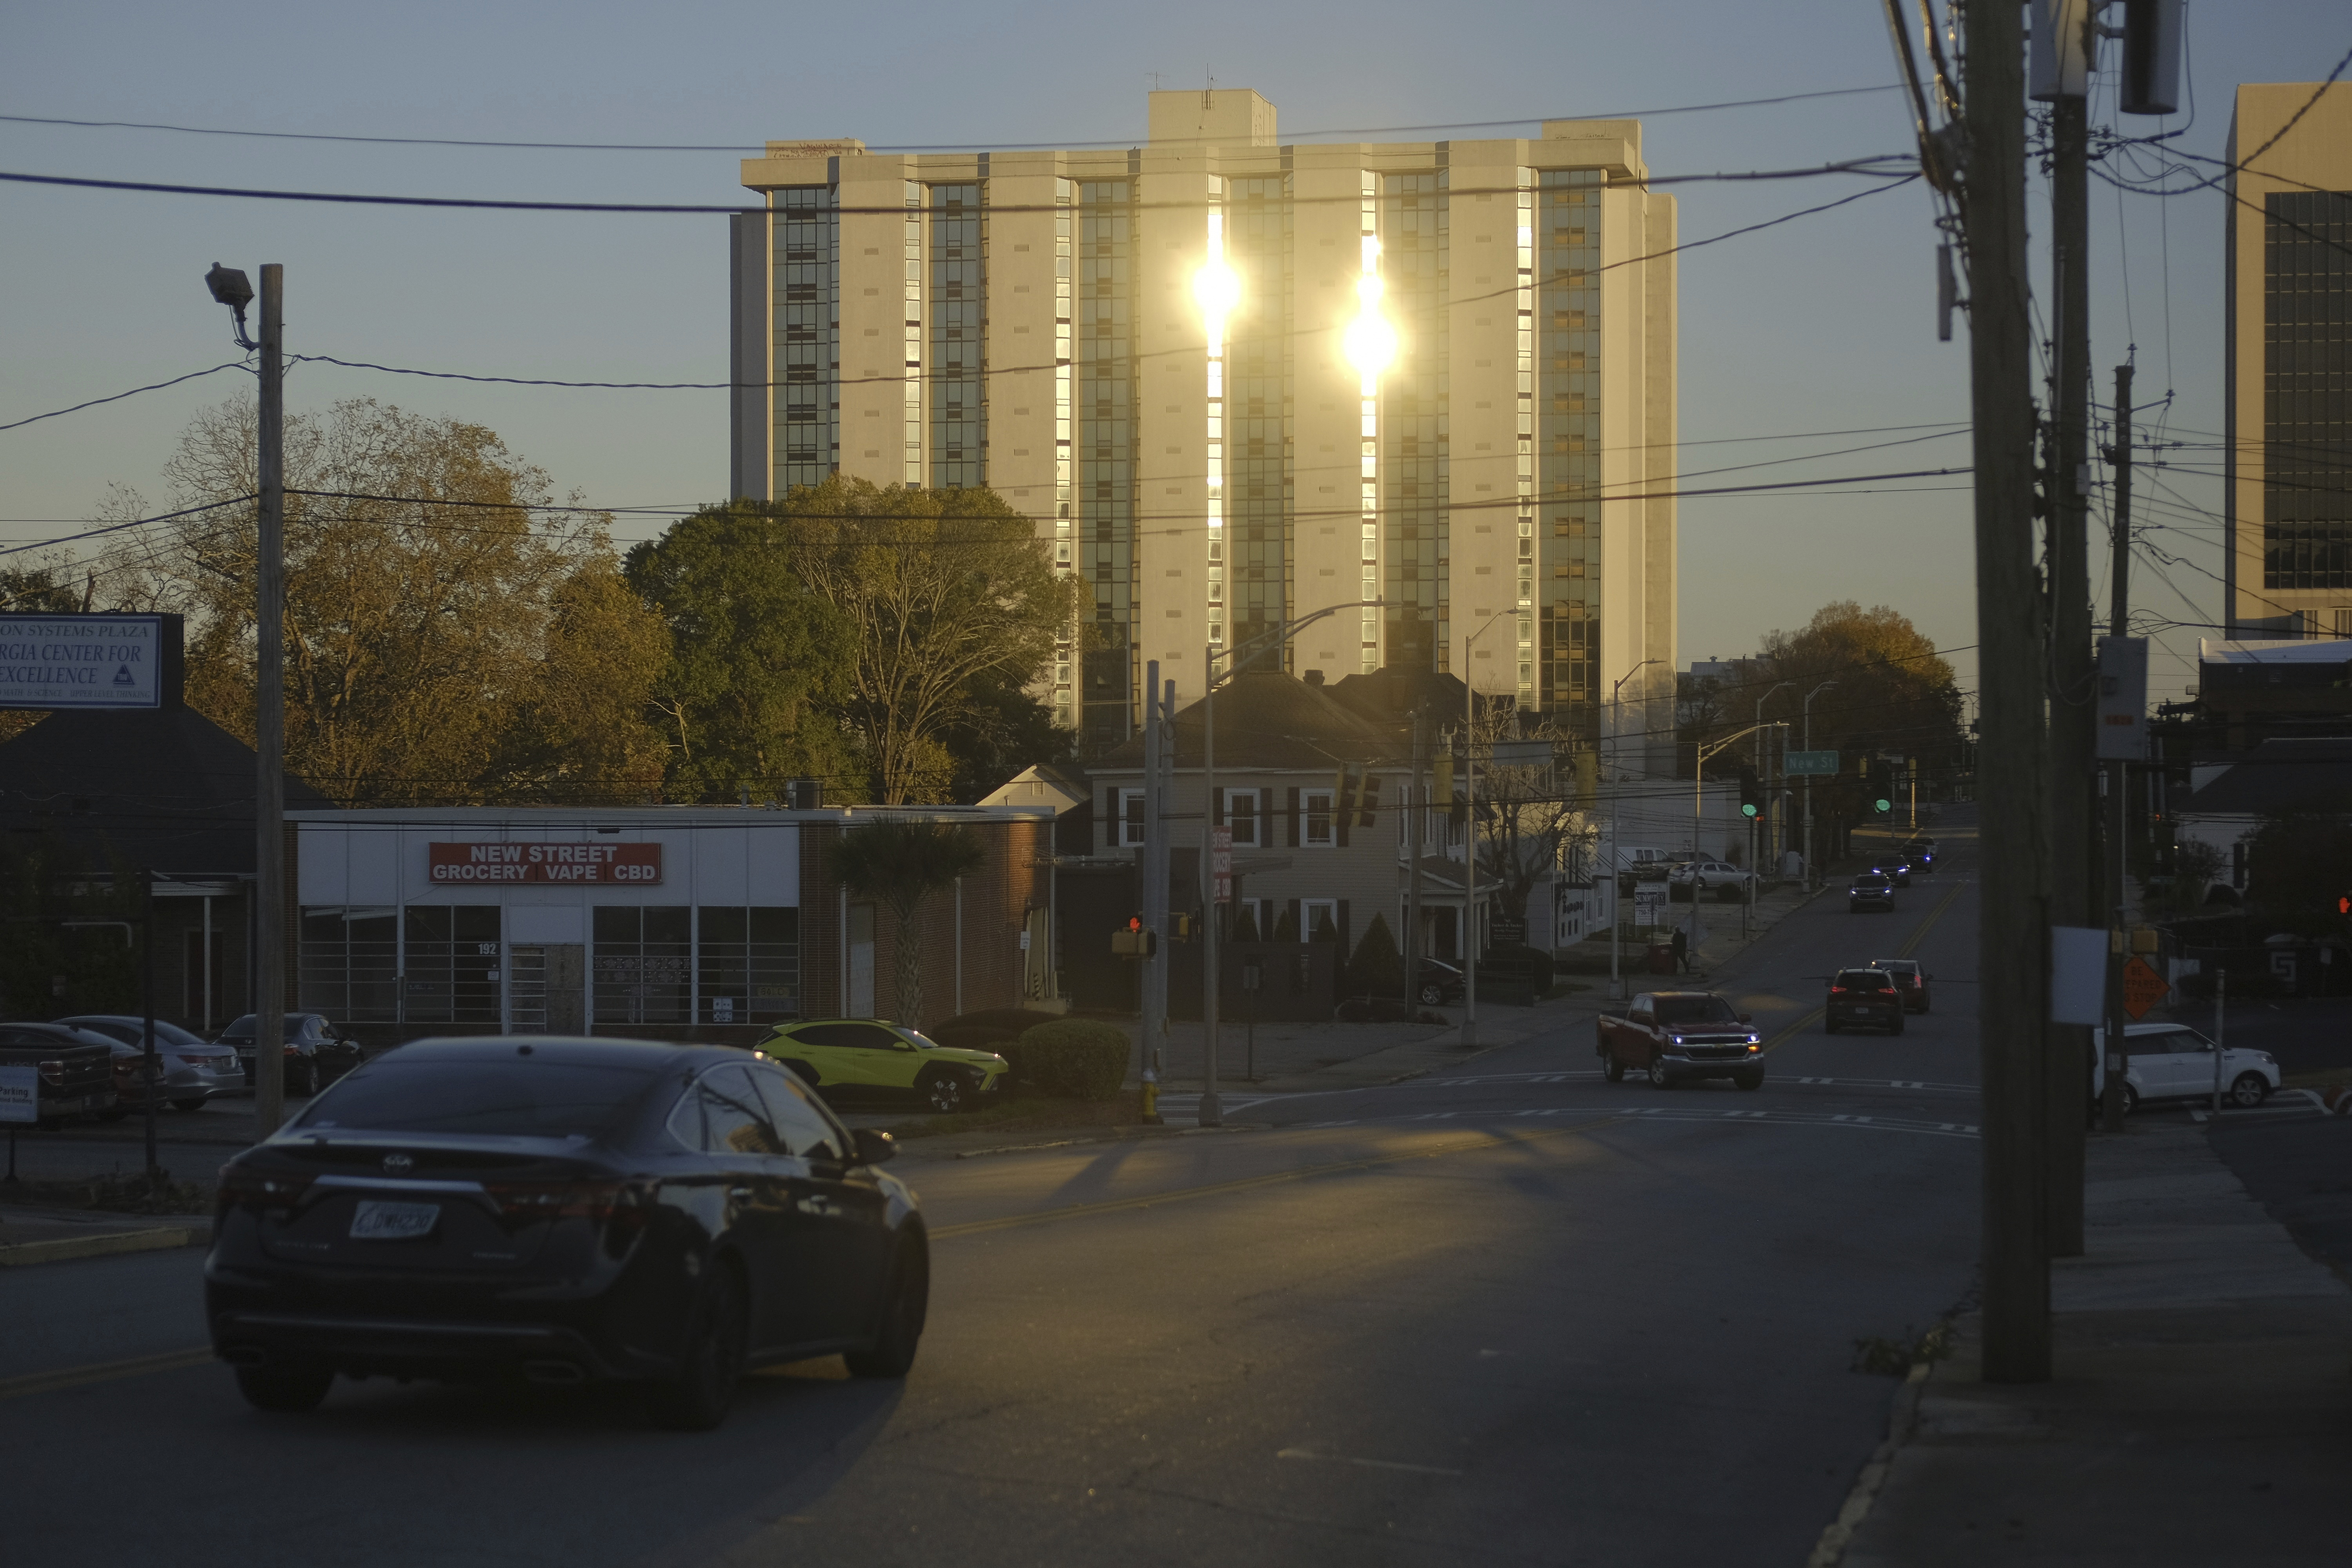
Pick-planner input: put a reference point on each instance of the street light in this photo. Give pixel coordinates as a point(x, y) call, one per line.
point(1767, 835)
point(1613, 715)
point(1807, 709)
point(1237, 656)
point(1470, 839)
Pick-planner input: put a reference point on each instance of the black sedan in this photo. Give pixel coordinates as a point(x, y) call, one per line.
point(1440, 983)
point(317, 1054)
point(1871, 890)
point(565, 1211)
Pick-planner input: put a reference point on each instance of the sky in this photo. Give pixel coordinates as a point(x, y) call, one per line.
point(1805, 341)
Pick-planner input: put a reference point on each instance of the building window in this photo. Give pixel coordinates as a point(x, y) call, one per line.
point(1321, 918)
point(1131, 816)
point(1241, 815)
point(641, 974)
point(350, 963)
point(1318, 818)
point(747, 965)
point(450, 964)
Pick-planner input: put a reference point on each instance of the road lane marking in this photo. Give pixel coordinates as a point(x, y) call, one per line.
point(1928, 925)
point(1365, 1464)
point(102, 1372)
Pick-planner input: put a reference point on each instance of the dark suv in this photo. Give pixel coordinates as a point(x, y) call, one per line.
point(1871, 890)
point(1863, 996)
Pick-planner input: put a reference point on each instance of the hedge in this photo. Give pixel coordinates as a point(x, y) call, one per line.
point(1082, 1057)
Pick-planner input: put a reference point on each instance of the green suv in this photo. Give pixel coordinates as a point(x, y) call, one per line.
point(873, 1056)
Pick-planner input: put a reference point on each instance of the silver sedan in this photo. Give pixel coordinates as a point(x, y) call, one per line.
point(191, 1069)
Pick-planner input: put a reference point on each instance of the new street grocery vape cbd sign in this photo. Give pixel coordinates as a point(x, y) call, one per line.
point(88, 660)
point(601, 865)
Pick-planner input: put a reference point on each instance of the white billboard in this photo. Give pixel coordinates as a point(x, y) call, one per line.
point(86, 660)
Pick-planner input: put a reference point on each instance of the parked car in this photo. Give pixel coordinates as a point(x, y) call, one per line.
point(1910, 980)
point(74, 1072)
point(1867, 998)
point(1719, 877)
point(871, 1056)
point(317, 1054)
point(1680, 1037)
point(1643, 862)
point(1871, 890)
point(2173, 1062)
point(190, 1070)
point(1440, 983)
point(567, 1210)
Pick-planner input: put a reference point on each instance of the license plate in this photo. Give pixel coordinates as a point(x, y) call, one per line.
point(378, 1220)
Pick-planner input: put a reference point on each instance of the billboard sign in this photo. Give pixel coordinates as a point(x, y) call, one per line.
point(607, 865)
point(61, 662)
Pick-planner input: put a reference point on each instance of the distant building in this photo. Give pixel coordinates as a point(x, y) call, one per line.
point(2288, 453)
point(1032, 321)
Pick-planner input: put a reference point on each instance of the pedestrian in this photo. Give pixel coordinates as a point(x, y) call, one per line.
point(1682, 951)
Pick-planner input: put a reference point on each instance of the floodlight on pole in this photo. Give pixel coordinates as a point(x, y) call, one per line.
point(231, 287)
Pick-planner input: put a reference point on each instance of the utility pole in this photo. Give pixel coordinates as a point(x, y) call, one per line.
point(1212, 1112)
point(2111, 1107)
point(2013, 922)
point(2076, 878)
point(1154, 891)
point(270, 721)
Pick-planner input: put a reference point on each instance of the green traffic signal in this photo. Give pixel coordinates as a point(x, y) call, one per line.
point(1748, 811)
point(1886, 805)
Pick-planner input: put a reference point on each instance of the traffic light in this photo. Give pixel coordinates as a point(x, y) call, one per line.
point(1751, 793)
point(1133, 940)
point(1882, 786)
point(2343, 904)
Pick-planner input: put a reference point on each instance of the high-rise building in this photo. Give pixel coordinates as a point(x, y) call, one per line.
point(2289, 363)
point(1236, 381)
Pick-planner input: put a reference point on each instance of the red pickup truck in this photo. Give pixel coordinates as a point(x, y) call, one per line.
point(1681, 1037)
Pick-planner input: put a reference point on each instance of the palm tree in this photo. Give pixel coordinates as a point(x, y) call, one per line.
point(901, 861)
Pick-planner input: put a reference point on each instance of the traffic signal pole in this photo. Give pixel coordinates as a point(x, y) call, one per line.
point(2013, 920)
point(2111, 1100)
point(1153, 1033)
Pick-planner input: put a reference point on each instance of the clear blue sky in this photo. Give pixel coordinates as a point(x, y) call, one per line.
point(1825, 324)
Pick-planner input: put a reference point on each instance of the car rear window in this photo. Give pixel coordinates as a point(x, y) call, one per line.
point(1695, 1009)
point(517, 1098)
point(1864, 981)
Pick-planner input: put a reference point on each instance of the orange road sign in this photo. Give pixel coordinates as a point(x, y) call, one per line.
point(2143, 987)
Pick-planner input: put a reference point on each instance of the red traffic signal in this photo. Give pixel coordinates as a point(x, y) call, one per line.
point(1135, 923)
point(2343, 904)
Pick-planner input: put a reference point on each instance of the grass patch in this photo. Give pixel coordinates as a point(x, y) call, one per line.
point(1023, 1113)
point(125, 1194)
point(2321, 1078)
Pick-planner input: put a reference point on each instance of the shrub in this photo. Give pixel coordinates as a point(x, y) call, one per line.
point(1082, 1057)
point(1517, 955)
point(1378, 968)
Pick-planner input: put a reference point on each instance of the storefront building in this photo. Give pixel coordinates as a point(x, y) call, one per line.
point(709, 923)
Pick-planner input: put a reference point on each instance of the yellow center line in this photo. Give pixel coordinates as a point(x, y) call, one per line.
point(1213, 1189)
point(103, 1372)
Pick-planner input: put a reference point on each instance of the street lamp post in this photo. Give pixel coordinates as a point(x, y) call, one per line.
point(1763, 784)
point(1807, 709)
point(1616, 923)
point(1470, 945)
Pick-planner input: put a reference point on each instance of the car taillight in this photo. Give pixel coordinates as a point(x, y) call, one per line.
point(1837, 990)
point(619, 1207)
point(261, 1189)
point(54, 1073)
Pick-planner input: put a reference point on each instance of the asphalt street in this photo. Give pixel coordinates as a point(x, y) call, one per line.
point(1512, 1313)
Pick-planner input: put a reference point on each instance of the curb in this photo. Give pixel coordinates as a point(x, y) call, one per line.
point(1902, 1422)
point(25, 1254)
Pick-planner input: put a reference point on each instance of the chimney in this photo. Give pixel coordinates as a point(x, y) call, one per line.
point(1314, 677)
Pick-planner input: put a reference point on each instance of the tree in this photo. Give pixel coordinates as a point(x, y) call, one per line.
point(1531, 819)
point(434, 602)
point(902, 861)
point(759, 666)
point(38, 590)
point(943, 591)
point(1378, 968)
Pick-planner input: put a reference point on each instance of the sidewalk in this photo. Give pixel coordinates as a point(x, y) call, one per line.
point(2200, 1412)
point(37, 1233)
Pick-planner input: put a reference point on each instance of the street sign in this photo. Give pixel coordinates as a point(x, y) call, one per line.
point(1221, 864)
point(2143, 987)
point(2122, 699)
point(1522, 754)
point(1648, 905)
point(1818, 764)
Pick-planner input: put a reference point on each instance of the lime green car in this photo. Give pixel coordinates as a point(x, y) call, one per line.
point(873, 1056)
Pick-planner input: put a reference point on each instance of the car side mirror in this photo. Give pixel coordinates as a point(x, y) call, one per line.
point(874, 1146)
point(1747, 1018)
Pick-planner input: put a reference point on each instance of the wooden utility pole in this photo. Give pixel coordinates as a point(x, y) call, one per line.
point(2013, 923)
point(2074, 860)
point(270, 721)
point(2111, 1108)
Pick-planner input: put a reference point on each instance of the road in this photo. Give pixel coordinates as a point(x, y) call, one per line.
point(1517, 1313)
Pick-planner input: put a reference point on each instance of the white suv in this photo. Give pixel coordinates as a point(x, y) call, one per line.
point(2173, 1062)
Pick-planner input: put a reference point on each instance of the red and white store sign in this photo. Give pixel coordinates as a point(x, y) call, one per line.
point(604, 865)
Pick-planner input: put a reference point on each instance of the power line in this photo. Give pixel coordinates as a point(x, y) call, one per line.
point(119, 527)
point(118, 397)
point(1882, 165)
point(762, 147)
